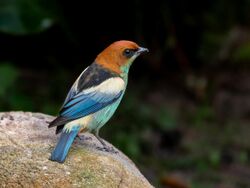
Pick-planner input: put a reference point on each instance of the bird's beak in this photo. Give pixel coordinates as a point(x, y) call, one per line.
point(141, 50)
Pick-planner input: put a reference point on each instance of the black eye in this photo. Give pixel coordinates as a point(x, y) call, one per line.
point(128, 53)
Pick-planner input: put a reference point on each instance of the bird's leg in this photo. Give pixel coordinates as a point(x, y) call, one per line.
point(105, 147)
point(83, 137)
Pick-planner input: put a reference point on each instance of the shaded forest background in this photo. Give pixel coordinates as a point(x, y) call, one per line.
point(185, 117)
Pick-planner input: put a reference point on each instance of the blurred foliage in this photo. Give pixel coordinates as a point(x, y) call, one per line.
point(25, 16)
point(8, 76)
point(10, 94)
point(242, 53)
point(203, 114)
point(170, 120)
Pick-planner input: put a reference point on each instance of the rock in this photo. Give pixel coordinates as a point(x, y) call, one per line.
point(26, 144)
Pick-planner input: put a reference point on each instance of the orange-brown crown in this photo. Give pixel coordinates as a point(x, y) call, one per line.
point(113, 56)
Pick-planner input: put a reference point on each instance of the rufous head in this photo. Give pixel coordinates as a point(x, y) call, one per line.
point(119, 55)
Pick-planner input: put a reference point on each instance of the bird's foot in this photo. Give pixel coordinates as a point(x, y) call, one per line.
point(83, 137)
point(107, 149)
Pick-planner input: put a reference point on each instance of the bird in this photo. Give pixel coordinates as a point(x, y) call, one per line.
point(94, 96)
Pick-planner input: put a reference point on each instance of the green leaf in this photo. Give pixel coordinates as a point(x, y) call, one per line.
point(19, 101)
point(214, 158)
point(24, 16)
point(50, 108)
point(242, 53)
point(8, 75)
point(166, 120)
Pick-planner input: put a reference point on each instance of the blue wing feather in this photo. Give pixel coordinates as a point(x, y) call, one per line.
point(85, 104)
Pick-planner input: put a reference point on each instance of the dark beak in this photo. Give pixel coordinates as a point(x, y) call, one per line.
point(142, 50)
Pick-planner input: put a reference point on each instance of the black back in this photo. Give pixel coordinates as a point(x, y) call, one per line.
point(94, 75)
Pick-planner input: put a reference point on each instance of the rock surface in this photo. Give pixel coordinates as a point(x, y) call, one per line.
point(26, 144)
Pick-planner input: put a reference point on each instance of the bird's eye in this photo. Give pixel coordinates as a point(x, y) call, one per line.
point(128, 53)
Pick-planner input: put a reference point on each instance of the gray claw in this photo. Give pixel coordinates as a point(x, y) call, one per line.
point(107, 149)
point(83, 138)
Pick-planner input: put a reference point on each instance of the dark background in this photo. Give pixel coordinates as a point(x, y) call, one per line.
point(185, 116)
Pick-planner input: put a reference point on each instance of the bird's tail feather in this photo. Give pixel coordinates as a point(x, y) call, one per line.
point(62, 148)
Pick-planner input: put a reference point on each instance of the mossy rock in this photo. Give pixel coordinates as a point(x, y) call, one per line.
point(26, 144)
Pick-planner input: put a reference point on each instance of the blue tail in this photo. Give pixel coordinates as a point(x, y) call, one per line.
point(62, 148)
